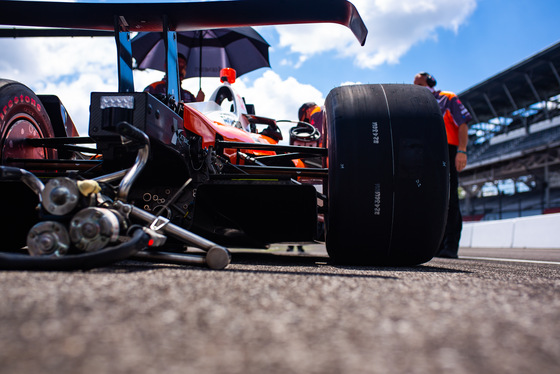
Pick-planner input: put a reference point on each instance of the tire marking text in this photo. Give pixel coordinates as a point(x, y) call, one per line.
point(375, 132)
point(16, 100)
point(377, 199)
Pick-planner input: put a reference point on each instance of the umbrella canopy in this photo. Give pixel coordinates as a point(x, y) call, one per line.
point(206, 51)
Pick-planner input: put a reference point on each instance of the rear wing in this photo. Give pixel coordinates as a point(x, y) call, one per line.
point(180, 16)
point(170, 17)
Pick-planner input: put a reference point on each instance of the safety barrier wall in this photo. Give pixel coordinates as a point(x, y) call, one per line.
point(527, 232)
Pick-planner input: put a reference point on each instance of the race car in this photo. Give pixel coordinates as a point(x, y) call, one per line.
point(165, 177)
point(225, 116)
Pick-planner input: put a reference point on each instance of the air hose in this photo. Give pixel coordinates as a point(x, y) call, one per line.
point(85, 261)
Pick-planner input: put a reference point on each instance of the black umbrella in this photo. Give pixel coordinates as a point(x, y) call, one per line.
point(241, 48)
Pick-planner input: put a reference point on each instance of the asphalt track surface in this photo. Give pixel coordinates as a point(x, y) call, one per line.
point(276, 312)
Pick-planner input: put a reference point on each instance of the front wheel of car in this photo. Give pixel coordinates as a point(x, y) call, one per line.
point(388, 183)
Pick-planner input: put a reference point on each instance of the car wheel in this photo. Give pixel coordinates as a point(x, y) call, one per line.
point(388, 183)
point(22, 116)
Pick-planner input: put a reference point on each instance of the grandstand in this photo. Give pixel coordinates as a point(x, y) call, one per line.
point(514, 141)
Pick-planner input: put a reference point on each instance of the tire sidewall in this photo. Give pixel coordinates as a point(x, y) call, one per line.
point(17, 101)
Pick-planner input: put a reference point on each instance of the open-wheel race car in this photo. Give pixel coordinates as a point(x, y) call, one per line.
point(167, 181)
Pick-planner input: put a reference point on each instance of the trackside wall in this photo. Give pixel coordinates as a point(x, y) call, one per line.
point(541, 231)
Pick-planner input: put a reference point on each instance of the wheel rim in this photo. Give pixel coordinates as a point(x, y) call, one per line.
point(14, 145)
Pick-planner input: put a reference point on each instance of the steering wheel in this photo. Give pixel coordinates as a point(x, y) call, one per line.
point(304, 132)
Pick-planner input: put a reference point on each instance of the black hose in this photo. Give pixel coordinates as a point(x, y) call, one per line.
point(83, 261)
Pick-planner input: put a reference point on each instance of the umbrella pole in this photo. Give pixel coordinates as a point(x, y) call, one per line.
point(200, 62)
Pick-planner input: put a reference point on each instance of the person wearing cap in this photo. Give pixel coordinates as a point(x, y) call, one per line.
point(186, 96)
point(456, 118)
point(313, 114)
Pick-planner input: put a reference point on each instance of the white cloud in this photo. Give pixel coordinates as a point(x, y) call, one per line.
point(70, 68)
point(277, 98)
point(393, 28)
point(350, 83)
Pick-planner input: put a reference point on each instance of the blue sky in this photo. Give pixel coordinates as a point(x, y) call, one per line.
point(460, 42)
point(495, 36)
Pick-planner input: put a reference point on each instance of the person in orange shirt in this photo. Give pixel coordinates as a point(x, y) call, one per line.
point(456, 118)
point(313, 114)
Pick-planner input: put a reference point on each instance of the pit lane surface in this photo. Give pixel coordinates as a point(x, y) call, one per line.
point(284, 313)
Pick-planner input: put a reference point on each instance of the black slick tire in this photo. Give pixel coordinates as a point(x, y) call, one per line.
point(388, 184)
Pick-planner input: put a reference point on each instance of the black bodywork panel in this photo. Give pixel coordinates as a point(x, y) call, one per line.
point(256, 211)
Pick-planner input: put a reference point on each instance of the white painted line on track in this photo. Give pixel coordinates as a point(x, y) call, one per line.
point(510, 260)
